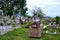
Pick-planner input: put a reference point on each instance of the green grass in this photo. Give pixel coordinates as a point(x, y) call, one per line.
point(22, 34)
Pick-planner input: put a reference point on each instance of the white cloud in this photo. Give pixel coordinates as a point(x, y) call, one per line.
point(31, 3)
point(48, 6)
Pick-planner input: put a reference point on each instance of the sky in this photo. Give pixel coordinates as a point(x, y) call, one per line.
point(49, 7)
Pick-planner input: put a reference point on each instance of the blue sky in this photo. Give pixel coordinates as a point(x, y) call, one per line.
point(49, 7)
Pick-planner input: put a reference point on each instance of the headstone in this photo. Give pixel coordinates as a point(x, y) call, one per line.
point(35, 29)
point(51, 29)
point(17, 21)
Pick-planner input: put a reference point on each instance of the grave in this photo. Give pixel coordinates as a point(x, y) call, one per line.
point(7, 25)
point(51, 29)
point(35, 29)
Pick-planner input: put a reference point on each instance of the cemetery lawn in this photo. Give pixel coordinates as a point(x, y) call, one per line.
point(22, 34)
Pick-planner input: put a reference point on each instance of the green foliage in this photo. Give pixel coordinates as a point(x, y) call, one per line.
point(9, 6)
point(14, 24)
point(22, 4)
point(38, 13)
point(57, 20)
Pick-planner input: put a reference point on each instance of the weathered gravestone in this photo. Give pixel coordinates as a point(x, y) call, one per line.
point(51, 29)
point(35, 30)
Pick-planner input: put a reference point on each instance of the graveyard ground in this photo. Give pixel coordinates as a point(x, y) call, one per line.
point(22, 34)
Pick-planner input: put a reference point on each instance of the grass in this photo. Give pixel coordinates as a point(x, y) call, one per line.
point(22, 34)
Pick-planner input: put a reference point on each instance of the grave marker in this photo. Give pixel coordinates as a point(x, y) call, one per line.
point(35, 29)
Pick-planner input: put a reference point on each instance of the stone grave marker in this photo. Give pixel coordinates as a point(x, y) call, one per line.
point(35, 29)
point(52, 29)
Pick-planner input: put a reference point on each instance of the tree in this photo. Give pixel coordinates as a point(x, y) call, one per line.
point(20, 4)
point(38, 12)
point(8, 7)
point(57, 19)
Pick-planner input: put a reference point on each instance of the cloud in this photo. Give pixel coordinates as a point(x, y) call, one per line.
point(49, 7)
point(42, 2)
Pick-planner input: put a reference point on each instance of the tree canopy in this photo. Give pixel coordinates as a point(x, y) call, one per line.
point(9, 6)
point(38, 12)
point(57, 19)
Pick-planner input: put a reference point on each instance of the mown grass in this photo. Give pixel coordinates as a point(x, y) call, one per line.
point(22, 34)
